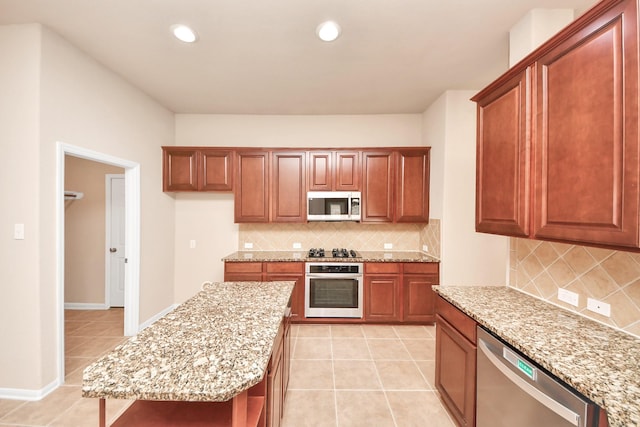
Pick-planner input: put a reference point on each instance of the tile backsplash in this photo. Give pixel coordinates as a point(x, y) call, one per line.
point(541, 268)
point(328, 235)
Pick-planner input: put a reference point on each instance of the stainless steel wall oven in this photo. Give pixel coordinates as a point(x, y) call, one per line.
point(333, 289)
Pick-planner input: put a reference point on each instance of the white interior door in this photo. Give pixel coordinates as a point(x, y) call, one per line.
point(115, 239)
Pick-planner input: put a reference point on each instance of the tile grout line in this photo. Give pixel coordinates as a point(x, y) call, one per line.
point(384, 390)
point(333, 375)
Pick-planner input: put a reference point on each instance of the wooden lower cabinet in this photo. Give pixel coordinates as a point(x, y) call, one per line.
point(243, 272)
point(456, 362)
point(382, 292)
point(289, 271)
point(418, 296)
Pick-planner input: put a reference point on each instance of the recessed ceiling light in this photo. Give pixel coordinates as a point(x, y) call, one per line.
point(328, 31)
point(184, 33)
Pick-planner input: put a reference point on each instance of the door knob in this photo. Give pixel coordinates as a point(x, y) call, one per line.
point(112, 250)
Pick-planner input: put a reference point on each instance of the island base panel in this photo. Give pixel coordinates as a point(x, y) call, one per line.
point(148, 413)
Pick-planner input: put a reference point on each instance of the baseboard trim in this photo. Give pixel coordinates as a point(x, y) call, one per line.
point(153, 319)
point(84, 306)
point(27, 394)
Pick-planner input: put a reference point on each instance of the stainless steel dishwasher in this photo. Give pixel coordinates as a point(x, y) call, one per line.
point(513, 391)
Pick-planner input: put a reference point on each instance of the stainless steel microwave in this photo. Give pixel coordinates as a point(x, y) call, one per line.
point(333, 206)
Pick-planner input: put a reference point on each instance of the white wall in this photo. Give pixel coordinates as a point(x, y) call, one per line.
point(468, 258)
point(208, 218)
point(61, 94)
point(20, 329)
point(535, 28)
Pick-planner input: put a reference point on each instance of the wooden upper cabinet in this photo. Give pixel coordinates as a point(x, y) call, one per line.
point(216, 170)
point(197, 169)
point(586, 155)
point(347, 171)
point(502, 160)
point(377, 191)
point(288, 187)
point(412, 186)
point(320, 171)
point(252, 186)
point(179, 169)
point(334, 170)
point(558, 136)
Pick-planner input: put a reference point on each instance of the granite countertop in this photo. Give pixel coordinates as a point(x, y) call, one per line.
point(600, 362)
point(365, 256)
point(210, 348)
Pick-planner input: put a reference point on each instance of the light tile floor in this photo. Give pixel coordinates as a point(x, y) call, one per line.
point(341, 376)
point(363, 375)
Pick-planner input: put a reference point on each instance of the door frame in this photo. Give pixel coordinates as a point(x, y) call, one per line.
point(132, 240)
point(107, 229)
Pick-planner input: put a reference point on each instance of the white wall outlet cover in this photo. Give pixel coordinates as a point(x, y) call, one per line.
point(425, 248)
point(568, 297)
point(297, 246)
point(388, 245)
point(599, 307)
point(248, 245)
point(192, 244)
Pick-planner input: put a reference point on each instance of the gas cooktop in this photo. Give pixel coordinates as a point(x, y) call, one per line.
point(335, 253)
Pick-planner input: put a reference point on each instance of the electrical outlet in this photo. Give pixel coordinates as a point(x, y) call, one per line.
point(425, 248)
point(248, 245)
point(192, 244)
point(568, 297)
point(388, 245)
point(599, 307)
point(297, 246)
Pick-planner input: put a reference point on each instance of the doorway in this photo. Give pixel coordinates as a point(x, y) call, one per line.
point(131, 239)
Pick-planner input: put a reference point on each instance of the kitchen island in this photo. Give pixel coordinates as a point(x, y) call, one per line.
point(598, 361)
point(204, 361)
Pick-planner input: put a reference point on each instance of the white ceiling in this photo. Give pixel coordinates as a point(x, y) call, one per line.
point(262, 56)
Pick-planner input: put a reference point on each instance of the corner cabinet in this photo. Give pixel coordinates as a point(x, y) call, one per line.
point(400, 292)
point(396, 185)
point(456, 362)
point(558, 136)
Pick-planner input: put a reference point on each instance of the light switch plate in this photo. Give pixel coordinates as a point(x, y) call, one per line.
point(568, 297)
point(599, 307)
point(18, 231)
point(192, 244)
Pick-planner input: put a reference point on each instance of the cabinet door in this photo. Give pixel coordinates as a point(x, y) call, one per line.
point(456, 372)
point(320, 169)
point(179, 169)
point(419, 298)
point(377, 195)
point(252, 187)
point(503, 158)
point(216, 170)
point(347, 171)
point(586, 148)
point(382, 298)
point(412, 186)
point(288, 187)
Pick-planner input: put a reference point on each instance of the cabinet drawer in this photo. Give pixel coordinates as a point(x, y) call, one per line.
point(243, 267)
point(460, 321)
point(382, 267)
point(285, 267)
point(421, 268)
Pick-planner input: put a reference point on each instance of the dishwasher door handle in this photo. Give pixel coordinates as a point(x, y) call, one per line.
point(545, 400)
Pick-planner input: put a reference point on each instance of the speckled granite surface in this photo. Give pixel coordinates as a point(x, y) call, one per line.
point(366, 256)
point(210, 348)
point(600, 362)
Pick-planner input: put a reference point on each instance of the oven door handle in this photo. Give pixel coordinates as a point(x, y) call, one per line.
point(333, 276)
